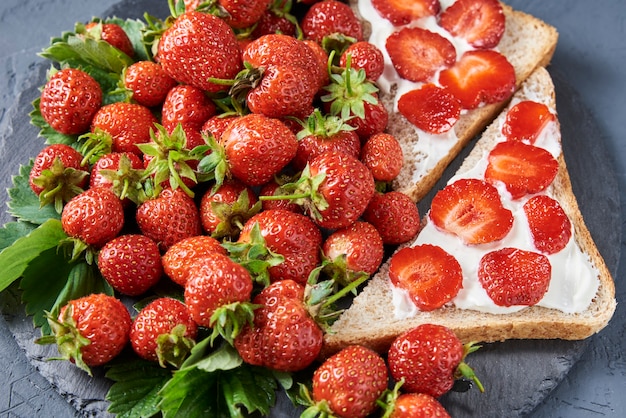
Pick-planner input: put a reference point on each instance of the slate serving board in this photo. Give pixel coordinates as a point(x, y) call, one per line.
point(518, 375)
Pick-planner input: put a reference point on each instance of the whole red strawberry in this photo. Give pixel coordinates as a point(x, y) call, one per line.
point(364, 55)
point(69, 101)
point(291, 235)
point(394, 215)
point(349, 383)
point(169, 218)
point(190, 107)
point(90, 331)
point(148, 83)
point(429, 358)
point(330, 17)
point(95, 216)
point(126, 124)
point(257, 148)
point(113, 34)
point(284, 337)
point(197, 47)
point(383, 155)
point(179, 257)
point(163, 331)
point(57, 175)
point(224, 211)
point(131, 264)
point(217, 294)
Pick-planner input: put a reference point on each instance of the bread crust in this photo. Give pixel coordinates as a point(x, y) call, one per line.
point(369, 320)
point(527, 43)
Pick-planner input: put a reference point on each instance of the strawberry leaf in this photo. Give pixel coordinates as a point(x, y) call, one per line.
point(15, 259)
point(24, 203)
point(217, 383)
point(63, 283)
point(11, 231)
point(134, 392)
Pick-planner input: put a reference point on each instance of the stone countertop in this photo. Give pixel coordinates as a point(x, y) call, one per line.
point(591, 54)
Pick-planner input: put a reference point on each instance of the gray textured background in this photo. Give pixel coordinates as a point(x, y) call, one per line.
point(591, 56)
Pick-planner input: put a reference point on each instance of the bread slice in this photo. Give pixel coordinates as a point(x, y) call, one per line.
point(370, 319)
point(527, 43)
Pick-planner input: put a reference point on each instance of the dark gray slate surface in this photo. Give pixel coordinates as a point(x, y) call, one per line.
point(588, 68)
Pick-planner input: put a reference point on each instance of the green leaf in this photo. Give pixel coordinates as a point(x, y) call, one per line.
point(12, 231)
point(63, 283)
point(136, 388)
point(24, 203)
point(134, 29)
point(15, 259)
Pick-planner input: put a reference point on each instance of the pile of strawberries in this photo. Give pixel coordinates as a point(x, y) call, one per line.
point(228, 167)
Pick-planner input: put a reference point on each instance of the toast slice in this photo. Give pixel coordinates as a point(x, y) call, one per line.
point(527, 43)
point(370, 320)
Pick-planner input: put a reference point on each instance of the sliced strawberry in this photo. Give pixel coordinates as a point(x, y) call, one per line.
point(430, 275)
point(480, 22)
point(472, 210)
point(431, 108)
point(401, 12)
point(526, 120)
point(524, 169)
point(417, 54)
point(514, 277)
point(480, 77)
point(550, 227)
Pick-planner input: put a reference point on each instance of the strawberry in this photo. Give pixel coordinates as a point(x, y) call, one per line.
point(291, 235)
point(90, 331)
point(550, 227)
point(472, 210)
point(526, 120)
point(357, 248)
point(335, 190)
point(169, 218)
point(430, 275)
point(349, 383)
point(57, 175)
point(113, 34)
point(148, 83)
point(224, 211)
point(217, 294)
point(429, 358)
point(524, 169)
point(273, 21)
point(383, 155)
point(480, 23)
point(417, 54)
point(198, 47)
point(511, 276)
point(402, 13)
point(364, 55)
point(69, 101)
point(243, 13)
point(178, 258)
point(394, 215)
point(479, 77)
point(131, 264)
point(374, 120)
point(190, 107)
point(163, 331)
point(329, 17)
point(257, 148)
point(95, 216)
point(322, 133)
point(283, 337)
point(216, 125)
point(283, 90)
point(418, 405)
point(124, 126)
point(272, 188)
point(121, 172)
point(431, 108)
point(280, 49)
